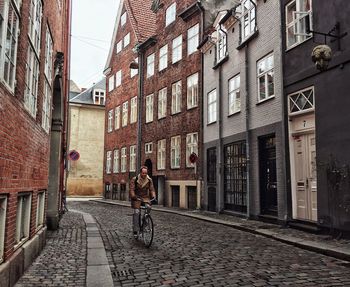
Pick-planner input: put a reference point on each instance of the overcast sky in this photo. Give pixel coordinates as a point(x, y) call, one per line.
point(92, 29)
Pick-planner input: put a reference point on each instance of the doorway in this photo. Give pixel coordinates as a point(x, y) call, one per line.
point(175, 196)
point(192, 197)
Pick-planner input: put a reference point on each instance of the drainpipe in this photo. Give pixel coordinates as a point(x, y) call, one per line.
point(139, 107)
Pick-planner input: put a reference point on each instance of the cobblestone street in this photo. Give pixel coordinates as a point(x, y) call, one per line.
point(185, 252)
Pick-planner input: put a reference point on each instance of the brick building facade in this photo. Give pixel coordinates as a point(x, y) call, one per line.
point(33, 73)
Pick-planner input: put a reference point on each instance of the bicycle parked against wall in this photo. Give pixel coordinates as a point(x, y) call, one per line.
point(146, 227)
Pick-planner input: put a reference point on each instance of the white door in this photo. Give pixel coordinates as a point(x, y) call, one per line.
point(305, 176)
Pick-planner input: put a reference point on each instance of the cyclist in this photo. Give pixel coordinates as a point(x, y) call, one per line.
point(141, 186)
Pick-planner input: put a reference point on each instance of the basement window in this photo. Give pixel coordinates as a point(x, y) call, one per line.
point(3, 206)
point(23, 218)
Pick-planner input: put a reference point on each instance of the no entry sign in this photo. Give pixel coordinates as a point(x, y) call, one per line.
point(74, 155)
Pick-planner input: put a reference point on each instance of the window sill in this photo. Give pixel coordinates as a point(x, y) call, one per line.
point(247, 40)
point(149, 122)
point(191, 108)
point(297, 44)
point(176, 113)
point(223, 60)
point(233, 114)
point(212, 123)
point(265, 100)
point(175, 168)
point(161, 118)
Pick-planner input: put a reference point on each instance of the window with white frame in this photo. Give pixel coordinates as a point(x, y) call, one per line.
point(40, 208)
point(192, 39)
point(175, 151)
point(161, 154)
point(108, 162)
point(111, 83)
point(46, 115)
point(132, 158)
point(177, 49)
point(119, 46)
point(134, 72)
point(248, 18)
point(212, 107)
point(23, 217)
point(265, 78)
point(192, 91)
point(116, 161)
point(162, 103)
point(118, 78)
point(133, 110)
point(123, 160)
point(176, 97)
point(117, 118)
point(163, 57)
point(170, 14)
point(148, 147)
point(298, 19)
point(221, 44)
point(125, 114)
point(110, 121)
point(191, 147)
point(35, 16)
point(3, 208)
point(234, 96)
point(150, 65)
point(99, 97)
point(301, 101)
point(48, 56)
point(149, 108)
point(126, 40)
point(123, 19)
point(9, 30)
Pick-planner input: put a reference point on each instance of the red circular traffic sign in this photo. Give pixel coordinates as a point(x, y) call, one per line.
point(74, 155)
point(193, 157)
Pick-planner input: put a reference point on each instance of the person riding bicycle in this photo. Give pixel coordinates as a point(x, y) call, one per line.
point(141, 186)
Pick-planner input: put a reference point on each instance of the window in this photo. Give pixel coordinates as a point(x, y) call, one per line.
point(118, 78)
point(111, 83)
point(298, 19)
point(9, 21)
point(40, 208)
point(123, 160)
point(116, 161)
point(161, 154)
point(177, 49)
point(265, 78)
point(192, 39)
point(133, 110)
point(148, 148)
point(175, 151)
point(191, 147)
point(3, 207)
point(248, 22)
point(301, 101)
point(110, 121)
point(126, 40)
point(119, 46)
point(34, 33)
point(117, 118)
point(212, 107)
point(162, 103)
point(192, 91)
point(149, 108)
point(134, 72)
point(221, 44)
point(108, 162)
point(46, 115)
point(125, 114)
point(163, 57)
point(123, 19)
point(133, 158)
point(150, 65)
point(176, 98)
point(48, 56)
point(170, 14)
point(99, 97)
point(234, 97)
point(23, 218)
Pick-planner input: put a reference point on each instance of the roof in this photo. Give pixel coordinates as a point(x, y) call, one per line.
point(73, 87)
point(85, 97)
point(142, 19)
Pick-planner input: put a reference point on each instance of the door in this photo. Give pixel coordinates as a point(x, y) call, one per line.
point(268, 175)
point(192, 197)
point(175, 195)
point(211, 178)
point(306, 176)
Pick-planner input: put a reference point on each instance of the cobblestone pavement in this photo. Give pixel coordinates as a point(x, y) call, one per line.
point(190, 252)
point(63, 260)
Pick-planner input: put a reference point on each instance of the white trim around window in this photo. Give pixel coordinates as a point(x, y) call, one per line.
point(118, 78)
point(132, 167)
point(111, 83)
point(265, 77)
point(176, 97)
point(212, 109)
point(119, 46)
point(123, 19)
point(117, 118)
point(148, 148)
point(191, 147)
point(3, 213)
point(302, 101)
point(170, 14)
point(133, 110)
point(149, 108)
point(234, 96)
point(175, 154)
point(248, 19)
point(125, 114)
point(40, 210)
point(123, 160)
point(108, 162)
point(162, 103)
point(116, 161)
point(161, 154)
point(110, 121)
point(126, 40)
point(150, 65)
point(24, 205)
point(163, 58)
point(192, 39)
point(176, 49)
point(192, 91)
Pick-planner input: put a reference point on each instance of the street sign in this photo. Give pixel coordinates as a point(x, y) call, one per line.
point(193, 157)
point(74, 155)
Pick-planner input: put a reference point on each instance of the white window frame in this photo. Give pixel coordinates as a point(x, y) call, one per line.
point(99, 97)
point(267, 69)
point(191, 146)
point(3, 213)
point(148, 148)
point(163, 58)
point(123, 160)
point(125, 114)
point(126, 40)
point(212, 107)
point(118, 78)
point(133, 110)
point(192, 91)
point(150, 65)
point(176, 97)
point(110, 121)
point(46, 114)
point(161, 154)
point(162, 103)
point(134, 72)
point(234, 95)
point(24, 206)
point(35, 19)
point(111, 83)
point(170, 14)
point(149, 108)
point(116, 161)
point(123, 19)
point(108, 162)
point(117, 118)
point(132, 166)
point(250, 15)
point(294, 103)
point(40, 210)
point(221, 44)
point(175, 152)
point(176, 49)
point(192, 39)
point(119, 47)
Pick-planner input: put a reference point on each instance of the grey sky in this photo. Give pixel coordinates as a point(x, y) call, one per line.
point(92, 29)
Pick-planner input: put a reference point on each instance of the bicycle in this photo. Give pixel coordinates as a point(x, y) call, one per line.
point(146, 228)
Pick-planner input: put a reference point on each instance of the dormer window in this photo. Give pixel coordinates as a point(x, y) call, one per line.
point(248, 18)
point(170, 14)
point(123, 19)
point(221, 44)
point(99, 97)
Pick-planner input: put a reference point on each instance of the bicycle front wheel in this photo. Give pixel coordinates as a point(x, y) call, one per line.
point(147, 230)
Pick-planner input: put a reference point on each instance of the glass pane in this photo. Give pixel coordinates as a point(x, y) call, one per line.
point(262, 88)
point(292, 39)
point(270, 83)
point(289, 13)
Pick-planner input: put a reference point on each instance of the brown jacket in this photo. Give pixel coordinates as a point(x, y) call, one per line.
point(141, 188)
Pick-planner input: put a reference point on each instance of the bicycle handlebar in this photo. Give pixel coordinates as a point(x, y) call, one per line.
point(153, 200)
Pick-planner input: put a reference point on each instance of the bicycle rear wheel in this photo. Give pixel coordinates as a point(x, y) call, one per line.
point(147, 230)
